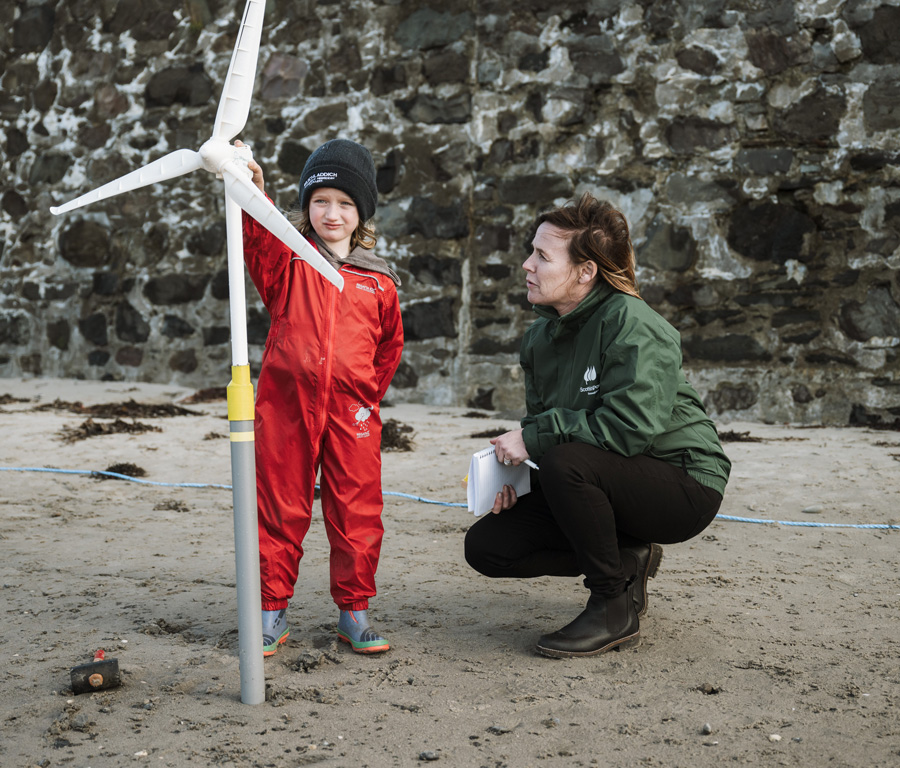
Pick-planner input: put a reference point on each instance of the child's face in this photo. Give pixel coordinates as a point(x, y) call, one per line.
point(334, 217)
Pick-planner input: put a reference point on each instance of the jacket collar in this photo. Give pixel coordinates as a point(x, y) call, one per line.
point(571, 322)
point(358, 257)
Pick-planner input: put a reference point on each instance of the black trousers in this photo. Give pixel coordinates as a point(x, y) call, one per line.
point(589, 503)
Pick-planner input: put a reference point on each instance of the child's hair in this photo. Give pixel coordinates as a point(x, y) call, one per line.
point(363, 236)
point(599, 233)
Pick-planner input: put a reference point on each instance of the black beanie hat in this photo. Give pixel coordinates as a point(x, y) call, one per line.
point(343, 165)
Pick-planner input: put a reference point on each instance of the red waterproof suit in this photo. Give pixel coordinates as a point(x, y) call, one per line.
point(328, 361)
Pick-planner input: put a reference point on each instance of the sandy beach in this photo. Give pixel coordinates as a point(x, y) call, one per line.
point(764, 643)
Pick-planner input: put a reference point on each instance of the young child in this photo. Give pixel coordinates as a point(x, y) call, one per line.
point(328, 361)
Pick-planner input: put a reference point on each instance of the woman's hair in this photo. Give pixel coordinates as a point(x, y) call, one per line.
point(363, 236)
point(599, 233)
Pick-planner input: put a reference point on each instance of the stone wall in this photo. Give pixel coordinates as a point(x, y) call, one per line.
point(753, 145)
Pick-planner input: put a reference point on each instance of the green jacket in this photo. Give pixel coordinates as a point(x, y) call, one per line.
point(609, 374)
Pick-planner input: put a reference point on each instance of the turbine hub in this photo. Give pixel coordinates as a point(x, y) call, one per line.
point(215, 153)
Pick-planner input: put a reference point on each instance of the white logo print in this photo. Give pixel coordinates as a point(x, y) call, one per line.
point(361, 417)
point(590, 376)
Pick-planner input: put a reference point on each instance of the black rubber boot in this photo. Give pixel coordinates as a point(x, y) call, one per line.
point(606, 623)
point(640, 562)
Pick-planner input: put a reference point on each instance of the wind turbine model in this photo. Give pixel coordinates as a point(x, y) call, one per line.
point(229, 163)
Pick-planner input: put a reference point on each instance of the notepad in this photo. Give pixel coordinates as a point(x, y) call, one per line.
point(486, 479)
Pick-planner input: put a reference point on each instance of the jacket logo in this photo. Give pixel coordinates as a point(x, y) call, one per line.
point(590, 376)
point(368, 288)
point(361, 415)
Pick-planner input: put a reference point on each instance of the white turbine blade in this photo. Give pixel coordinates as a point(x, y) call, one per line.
point(169, 166)
point(234, 106)
point(246, 194)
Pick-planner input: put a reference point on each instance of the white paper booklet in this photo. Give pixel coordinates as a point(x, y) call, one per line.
point(487, 476)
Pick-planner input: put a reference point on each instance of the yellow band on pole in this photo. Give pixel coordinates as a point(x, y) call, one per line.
point(242, 437)
point(240, 394)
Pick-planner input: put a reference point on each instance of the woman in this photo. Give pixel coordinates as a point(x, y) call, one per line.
point(627, 454)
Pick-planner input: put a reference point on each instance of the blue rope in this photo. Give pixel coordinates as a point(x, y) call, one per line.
point(423, 500)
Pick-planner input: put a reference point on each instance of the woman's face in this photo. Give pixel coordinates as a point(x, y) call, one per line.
point(552, 279)
point(333, 215)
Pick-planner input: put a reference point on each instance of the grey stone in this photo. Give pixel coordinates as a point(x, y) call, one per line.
point(446, 67)
point(219, 285)
point(292, 158)
point(405, 377)
point(483, 399)
point(176, 289)
point(130, 357)
point(769, 232)
point(326, 117)
point(16, 142)
point(535, 188)
point(426, 218)
point(98, 357)
point(729, 396)
point(94, 329)
point(189, 86)
point(435, 270)
point(257, 325)
point(829, 357)
point(388, 78)
point(596, 58)
point(58, 333)
point(174, 327)
point(426, 28)
point(210, 241)
point(698, 60)
point(814, 118)
point(94, 136)
point(881, 106)
point(731, 348)
point(878, 37)
point(147, 20)
point(14, 204)
point(490, 346)
point(795, 317)
point(14, 329)
point(282, 77)
point(49, 168)
point(85, 244)
point(668, 247)
point(764, 162)
point(130, 324)
point(104, 283)
point(216, 335)
point(184, 361)
point(687, 135)
point(432, 110)
point(429, 319)
point(801, 394)
point(388, 174)
point(690, 191)
point(769, 50)
point(878, 315)
point(33, 30)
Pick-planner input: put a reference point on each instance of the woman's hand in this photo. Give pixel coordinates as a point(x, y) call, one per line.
point(255, 169)
point(510, 448)
point(505, 499)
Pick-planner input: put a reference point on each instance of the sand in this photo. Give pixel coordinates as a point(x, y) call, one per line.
point(764, 644)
